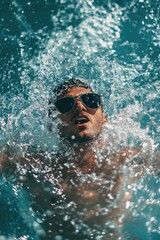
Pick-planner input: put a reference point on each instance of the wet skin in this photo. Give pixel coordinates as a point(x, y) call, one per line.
point(78, 195)
point(70, 190)
point(84, 195)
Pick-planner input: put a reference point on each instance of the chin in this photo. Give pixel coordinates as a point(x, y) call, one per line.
point(84, 137)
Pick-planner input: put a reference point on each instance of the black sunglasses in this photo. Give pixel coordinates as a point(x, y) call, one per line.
point(66, 104)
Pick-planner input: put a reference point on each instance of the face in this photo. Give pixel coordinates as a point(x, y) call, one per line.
point(82, 123)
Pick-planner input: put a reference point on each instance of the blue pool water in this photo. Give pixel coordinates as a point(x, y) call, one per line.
point(16, 217)
point(114, 45)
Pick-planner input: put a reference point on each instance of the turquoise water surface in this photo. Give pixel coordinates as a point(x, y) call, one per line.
point(114, 45)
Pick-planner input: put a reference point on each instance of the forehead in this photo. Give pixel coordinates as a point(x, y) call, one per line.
point(75, 91)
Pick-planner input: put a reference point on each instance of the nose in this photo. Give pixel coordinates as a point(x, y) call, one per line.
point(79, 107)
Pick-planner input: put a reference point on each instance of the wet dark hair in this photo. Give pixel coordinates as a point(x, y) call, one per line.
point(66, 85)
point(63, 87)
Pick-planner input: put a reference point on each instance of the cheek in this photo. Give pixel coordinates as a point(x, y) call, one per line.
point(101, 120)
point(99, 117)
point(63, 118)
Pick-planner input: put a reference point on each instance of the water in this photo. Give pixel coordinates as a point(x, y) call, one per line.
point(114, 45)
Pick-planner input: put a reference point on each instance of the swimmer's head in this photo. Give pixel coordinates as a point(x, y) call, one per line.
point(79, 109)
point(66, 85)
point(63, 87)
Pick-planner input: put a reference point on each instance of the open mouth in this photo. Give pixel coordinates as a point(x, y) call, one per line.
point(81, 120)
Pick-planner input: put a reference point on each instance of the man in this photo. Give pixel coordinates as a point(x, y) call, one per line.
point(80, 192)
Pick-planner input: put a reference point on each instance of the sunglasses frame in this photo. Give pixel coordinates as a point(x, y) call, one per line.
point(78, 97)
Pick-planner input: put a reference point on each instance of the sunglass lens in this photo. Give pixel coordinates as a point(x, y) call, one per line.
point(64, 105)
point(91, 100)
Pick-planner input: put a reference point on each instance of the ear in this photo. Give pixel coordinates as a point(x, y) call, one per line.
point(105, 119)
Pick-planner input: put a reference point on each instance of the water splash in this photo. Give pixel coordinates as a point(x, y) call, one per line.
point(114, 46)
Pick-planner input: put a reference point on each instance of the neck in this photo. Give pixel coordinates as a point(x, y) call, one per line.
point(83, 150)
point(83, 153)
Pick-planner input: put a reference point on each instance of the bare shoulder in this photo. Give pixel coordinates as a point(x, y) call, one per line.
point(6, 158)
point(140, 158)
point(156, 162)
point(3, 159)
point(127, 152)
point(12, 157)
point(120, 157)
